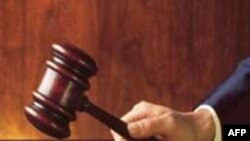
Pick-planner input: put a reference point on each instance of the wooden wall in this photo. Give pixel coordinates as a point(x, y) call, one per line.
point(171, 52)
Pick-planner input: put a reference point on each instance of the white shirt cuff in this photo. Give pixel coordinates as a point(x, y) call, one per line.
point(218, 132)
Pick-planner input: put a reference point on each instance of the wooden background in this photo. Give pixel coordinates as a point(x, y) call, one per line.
point(171, 52)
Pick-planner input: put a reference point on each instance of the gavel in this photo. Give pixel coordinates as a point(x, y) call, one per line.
point(61, 93)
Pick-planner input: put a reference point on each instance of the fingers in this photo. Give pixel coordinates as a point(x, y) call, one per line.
point(144, 128)
point(143, 110)
point(158, 125)
point(144, 120)
point(134, 115)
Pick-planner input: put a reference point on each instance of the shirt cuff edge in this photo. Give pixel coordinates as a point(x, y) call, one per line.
point(218, 134)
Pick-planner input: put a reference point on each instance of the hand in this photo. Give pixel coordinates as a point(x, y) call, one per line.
point(147, 119)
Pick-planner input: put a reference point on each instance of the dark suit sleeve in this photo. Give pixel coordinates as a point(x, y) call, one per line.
point(231, 99)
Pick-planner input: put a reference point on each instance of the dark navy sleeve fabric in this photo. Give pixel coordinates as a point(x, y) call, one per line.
point(231, 99)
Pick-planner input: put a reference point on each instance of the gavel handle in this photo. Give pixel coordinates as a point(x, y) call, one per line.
point(109, 120)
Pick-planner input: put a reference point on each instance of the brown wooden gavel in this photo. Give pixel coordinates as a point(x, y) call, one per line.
point(61, 94)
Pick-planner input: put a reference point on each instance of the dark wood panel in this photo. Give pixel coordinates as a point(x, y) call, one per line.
point(171, 52)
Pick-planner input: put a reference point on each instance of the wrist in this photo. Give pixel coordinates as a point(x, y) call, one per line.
point(203, 125)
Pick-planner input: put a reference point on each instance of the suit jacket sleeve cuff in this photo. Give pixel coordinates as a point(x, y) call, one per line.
point(218, 132)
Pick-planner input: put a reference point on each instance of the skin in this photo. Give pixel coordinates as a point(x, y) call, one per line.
point(148, 119)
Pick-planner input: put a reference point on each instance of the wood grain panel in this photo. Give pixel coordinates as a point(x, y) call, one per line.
point(171, 52)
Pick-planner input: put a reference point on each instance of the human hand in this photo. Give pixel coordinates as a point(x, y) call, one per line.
point(147, 119)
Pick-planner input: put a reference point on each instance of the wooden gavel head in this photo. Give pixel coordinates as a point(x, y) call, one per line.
point(57, 98)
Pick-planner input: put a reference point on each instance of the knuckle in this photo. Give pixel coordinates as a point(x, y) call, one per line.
point(141, 105)
point(148, 124)
point(171, 121)
point(153, 123)
point(145, 126)
point(171, 118)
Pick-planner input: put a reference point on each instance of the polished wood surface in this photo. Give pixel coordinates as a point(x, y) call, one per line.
point(171, 52)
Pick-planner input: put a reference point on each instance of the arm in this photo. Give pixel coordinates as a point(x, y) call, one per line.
point(232, 97)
